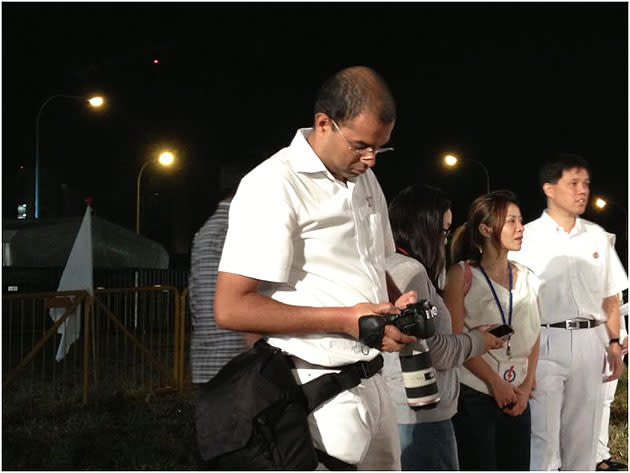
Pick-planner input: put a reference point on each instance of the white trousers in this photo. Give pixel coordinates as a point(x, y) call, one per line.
point(567, 404)
point(358, 425)
point(603, 453)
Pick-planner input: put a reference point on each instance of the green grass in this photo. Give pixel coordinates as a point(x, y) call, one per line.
point(117, 434)
point(618, 427)
point(148, 433)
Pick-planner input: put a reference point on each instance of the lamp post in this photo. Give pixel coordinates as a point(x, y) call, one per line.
point(600, 203)
point(451, 160)
point(166, 159)
point(95, 102)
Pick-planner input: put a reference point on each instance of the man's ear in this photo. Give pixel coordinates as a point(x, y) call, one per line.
point(322, 122)
point(485, 230)
point(548, 189)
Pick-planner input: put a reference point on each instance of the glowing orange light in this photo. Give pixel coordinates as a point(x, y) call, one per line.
point(156, 61)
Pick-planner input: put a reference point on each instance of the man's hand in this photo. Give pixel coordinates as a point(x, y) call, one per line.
point(366, 308)
point(409, 297)
point(393, 339)
point(615, 361)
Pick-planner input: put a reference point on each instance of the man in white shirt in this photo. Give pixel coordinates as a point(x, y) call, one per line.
point(304, 258)
point(581, 276)
point(604, 458)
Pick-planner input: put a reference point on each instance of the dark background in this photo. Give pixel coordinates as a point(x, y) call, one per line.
point(507, 84)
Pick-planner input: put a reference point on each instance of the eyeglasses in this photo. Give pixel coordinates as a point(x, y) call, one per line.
point(362, 151)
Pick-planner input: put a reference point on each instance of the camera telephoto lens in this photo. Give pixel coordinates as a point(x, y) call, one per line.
point(419, 376)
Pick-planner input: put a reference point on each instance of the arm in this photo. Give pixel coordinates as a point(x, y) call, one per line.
point(524, 391)
point(251, 338)
point(615, 360)
point(450, 351)
point(239, 306)
point(454, 297)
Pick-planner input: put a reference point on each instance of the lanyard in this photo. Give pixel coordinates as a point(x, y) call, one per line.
point(402, 251)
point(496, 299)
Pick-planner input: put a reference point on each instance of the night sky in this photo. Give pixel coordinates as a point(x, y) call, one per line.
point(503, 83)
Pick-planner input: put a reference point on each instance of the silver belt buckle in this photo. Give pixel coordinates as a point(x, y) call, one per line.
point(572, 324)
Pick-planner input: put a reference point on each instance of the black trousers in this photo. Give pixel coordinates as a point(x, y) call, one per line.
point(487, 438)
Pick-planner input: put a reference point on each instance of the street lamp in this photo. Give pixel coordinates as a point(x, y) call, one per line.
point(600, 203)
point(166, 159)
point(451, 160)
point(95, 102)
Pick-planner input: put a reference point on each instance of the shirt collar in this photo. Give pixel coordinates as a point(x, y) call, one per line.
point(304, 159)
point(553, 225)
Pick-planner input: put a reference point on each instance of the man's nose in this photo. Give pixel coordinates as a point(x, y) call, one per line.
point(369, 160)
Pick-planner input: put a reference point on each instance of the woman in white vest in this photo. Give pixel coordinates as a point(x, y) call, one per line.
point(493, 421)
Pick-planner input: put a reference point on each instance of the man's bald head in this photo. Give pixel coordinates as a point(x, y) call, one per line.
point(354, 90)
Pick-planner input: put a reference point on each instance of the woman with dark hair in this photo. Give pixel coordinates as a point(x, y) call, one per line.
point(421, 218)
point(493, 419)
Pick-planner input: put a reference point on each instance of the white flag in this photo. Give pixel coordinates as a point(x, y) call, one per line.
point(77, 275)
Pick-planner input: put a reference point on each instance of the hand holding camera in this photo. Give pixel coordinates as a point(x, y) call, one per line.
point(419, 375)
point(415, 320)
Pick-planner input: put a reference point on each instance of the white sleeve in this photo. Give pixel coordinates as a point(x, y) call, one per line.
point(617, 279)
point(259, 241)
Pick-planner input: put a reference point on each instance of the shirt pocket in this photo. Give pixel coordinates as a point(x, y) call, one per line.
point(591, 269)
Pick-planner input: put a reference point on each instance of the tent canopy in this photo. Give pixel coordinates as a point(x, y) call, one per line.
point(47, 243)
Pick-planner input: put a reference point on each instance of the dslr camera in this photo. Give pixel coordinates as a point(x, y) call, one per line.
point(415, 360)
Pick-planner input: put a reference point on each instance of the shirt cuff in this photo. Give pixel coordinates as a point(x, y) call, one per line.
point(476, 340)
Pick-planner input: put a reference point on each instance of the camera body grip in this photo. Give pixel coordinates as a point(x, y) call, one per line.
point(415, 320)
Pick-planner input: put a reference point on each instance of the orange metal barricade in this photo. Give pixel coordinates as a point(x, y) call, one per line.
point(132, 341)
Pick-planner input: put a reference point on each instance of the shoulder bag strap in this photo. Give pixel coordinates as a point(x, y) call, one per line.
point(327, 386)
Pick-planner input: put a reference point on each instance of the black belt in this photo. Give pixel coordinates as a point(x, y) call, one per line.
point(574, 324)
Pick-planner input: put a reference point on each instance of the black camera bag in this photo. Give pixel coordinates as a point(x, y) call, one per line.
point(253, 415)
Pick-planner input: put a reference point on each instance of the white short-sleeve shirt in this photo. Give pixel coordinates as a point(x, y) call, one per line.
point(577, 269)
point(312, 241)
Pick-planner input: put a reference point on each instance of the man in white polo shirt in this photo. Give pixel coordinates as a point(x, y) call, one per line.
point(304, 258)
point(579, 342)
